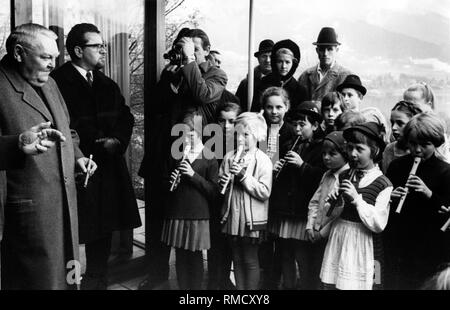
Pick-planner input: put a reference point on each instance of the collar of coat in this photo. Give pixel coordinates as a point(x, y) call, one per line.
point(334, 70)
point(71, 73)
point(206, 66)
point(29, 95)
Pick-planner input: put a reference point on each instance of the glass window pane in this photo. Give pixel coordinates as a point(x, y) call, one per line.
point(5, 27)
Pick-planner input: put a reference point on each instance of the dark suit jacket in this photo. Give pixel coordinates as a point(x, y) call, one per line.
point(297, 93)
point(316, 90)
point(41, 229)
point(108, 203)
point(241, 92)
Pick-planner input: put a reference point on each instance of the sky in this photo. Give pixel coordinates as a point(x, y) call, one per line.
point(412, 24)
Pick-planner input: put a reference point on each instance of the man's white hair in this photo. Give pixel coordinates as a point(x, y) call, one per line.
point(26, 35)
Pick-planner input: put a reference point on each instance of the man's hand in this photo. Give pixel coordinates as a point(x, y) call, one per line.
point(110, 144)
point(188, 49)
point(39, 139)
point(83, 164)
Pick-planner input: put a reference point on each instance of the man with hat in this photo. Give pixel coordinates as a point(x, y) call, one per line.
point(352, 91)
point(264, 68)
point(327, 75)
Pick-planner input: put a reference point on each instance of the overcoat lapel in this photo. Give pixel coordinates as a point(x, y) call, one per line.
point(29, 96)
point(331, 75)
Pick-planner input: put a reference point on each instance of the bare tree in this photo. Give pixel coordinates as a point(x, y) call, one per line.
point(136, 63)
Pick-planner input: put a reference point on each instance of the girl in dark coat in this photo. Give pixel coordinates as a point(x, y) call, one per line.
point(417, 245)
point(292, 190)
point(286, 58)
point(186, 224)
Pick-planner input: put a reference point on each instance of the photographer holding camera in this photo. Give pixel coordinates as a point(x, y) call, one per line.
point(189, 83)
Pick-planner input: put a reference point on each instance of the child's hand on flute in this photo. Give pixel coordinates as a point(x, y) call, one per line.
point(348, 190)
point(173, 176)
point(294, 159)
point(186, 168)
point(224, 179)
point(333, 196)
point(444, 210)
point(235, 168)
point(417, 185)
point(398, 193)
point(278, 165)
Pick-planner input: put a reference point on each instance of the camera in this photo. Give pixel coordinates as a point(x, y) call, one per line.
point(175, 55)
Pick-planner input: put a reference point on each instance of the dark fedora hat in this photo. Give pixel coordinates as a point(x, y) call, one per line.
point(327, 36)
point(371, 129)
point(265, 47)
point(352, 81)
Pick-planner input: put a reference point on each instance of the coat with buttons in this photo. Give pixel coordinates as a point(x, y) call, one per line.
point(41, 230)
point(295, 186)
point(315, 89)
point(108, 202)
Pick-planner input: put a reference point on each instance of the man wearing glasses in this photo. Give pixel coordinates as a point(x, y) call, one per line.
point(327, 75)
point(104, 122)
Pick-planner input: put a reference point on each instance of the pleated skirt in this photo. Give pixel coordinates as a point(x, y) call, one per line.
point(192, 235)
point(288, 228)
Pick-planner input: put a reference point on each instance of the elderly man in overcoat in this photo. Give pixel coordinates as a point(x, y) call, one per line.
point(40, 238)
point(35, 141)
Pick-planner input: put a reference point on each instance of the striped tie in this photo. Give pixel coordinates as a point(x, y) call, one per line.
point(89, 78)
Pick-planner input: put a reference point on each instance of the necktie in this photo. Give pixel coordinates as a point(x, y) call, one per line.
point(90, 80)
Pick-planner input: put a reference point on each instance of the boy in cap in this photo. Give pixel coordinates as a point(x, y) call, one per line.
point(327, 75)
point(297, 177)
point(352, 92)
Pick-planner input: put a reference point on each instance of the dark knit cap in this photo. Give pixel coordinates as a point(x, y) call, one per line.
point(337, 138)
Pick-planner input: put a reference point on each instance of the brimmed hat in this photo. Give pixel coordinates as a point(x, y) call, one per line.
point(352, 81)
point(370, 129)
point(337, 138)
point(264, 47)
point(310, 108)
point(327, 36)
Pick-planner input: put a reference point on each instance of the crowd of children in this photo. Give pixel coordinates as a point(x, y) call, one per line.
point(315, 187)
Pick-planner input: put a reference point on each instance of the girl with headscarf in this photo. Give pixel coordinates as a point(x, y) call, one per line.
point(285, 60)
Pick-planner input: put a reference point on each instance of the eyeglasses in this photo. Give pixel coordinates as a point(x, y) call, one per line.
point(97, 46)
